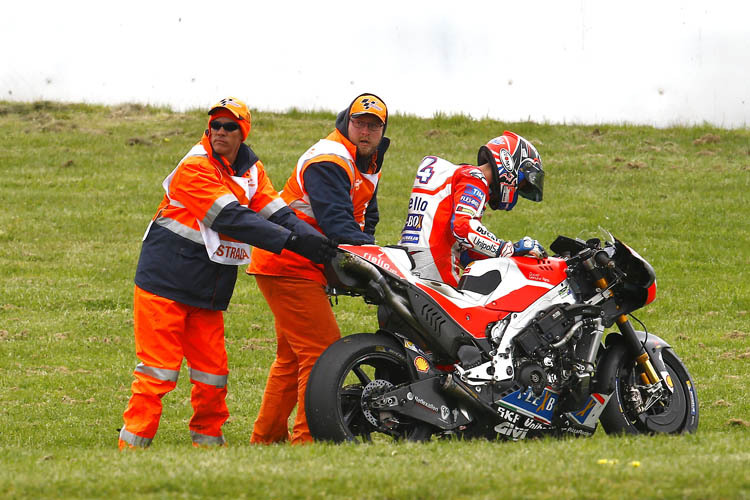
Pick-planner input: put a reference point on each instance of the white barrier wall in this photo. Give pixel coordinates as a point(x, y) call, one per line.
point(586, 61)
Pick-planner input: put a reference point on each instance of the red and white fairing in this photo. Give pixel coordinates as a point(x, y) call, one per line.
point(525, 286)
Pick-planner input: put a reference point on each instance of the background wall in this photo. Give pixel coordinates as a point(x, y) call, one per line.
point(661, 62)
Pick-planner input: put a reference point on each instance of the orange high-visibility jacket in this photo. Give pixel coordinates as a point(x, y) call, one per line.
point(174, 261)
point(335, 151)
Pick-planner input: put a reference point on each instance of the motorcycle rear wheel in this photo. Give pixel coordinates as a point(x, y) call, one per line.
point(333, 401)
point(676, 413)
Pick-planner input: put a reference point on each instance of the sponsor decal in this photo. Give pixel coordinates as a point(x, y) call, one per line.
point(468, 200)
point(484, 231)
point(510, 430)
point(474, 192)
point(539, 408)
point(477, 174)
point(417, 203)
point(506, 159)
point(413, 222)
point(588, 415)
point(466, 210)
point(379, 261)
point(444, 412)
point(426, 404)
point(410, 238)
point(481, 244)
point(507, 249)
point(692, 397)
point(421, 364)
point(368, 103)
point(538, 277)
point(578, 432)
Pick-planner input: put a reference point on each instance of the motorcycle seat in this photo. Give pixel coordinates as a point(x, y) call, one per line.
point(406, 251)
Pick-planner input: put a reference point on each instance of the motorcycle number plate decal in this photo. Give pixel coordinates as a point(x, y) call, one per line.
point(540, 407)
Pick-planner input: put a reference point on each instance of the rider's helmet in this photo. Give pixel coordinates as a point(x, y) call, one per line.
point(517, 169)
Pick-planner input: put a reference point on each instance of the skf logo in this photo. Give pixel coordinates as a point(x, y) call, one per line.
point(368, 103)
point(421, 364)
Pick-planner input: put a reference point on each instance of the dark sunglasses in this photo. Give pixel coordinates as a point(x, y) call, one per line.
point(228, 126)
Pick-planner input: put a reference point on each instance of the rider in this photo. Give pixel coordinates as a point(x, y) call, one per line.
point(443, 229)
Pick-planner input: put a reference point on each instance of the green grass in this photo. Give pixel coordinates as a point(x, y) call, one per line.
point(78, 184)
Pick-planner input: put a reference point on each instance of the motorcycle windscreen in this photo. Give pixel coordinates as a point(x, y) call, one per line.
point(639, 286)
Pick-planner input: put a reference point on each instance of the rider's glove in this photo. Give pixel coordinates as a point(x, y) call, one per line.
point(530, 248)
point(504, 249)
point(315, 247)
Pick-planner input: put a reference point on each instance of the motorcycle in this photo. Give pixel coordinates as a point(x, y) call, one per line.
point(516, 350)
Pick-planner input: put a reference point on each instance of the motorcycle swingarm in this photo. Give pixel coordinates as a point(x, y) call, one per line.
point(424, 401)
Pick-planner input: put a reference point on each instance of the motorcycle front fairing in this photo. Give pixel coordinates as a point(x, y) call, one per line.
point(638, 286)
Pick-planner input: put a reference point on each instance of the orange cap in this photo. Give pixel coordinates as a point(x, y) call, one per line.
point(233, 108)
point(369, 104)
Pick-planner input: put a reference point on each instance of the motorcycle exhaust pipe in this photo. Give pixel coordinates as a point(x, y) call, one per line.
point(454, 386)
point(397, 302)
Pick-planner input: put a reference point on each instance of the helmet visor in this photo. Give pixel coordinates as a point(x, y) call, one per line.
point(531, 181)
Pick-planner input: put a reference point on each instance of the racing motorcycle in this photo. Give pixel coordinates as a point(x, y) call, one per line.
point(517, 350)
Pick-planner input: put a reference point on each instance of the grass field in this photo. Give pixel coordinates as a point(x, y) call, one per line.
point(79, 183)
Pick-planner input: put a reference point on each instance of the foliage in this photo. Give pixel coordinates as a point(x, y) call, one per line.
point(78, 184)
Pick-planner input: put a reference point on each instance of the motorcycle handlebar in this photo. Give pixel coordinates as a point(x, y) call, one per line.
point(602, 258)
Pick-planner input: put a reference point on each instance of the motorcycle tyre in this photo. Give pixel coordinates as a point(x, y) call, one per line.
point(681, 415)
point(327, 412)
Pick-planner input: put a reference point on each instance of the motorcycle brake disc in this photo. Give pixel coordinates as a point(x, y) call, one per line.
point(371, 391)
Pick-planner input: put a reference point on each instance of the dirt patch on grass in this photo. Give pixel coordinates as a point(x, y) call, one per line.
point(258, 344)
point(707, 139)
point(736, 334)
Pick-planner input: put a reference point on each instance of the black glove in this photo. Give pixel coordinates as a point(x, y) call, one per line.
point(315, 247)
point(354, 241)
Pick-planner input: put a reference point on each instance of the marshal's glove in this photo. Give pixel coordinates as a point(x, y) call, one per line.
point(363, 239)
point(315, 247)
point(530, 248)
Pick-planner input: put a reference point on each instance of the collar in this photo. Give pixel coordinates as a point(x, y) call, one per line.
point(246, 158)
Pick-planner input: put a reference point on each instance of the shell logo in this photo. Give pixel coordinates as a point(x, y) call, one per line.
point(421, 364)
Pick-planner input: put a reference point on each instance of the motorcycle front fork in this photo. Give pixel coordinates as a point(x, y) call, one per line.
point(648, 373)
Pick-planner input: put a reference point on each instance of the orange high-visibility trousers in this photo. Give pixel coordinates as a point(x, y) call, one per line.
point(165, 332)
point(305, 327)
